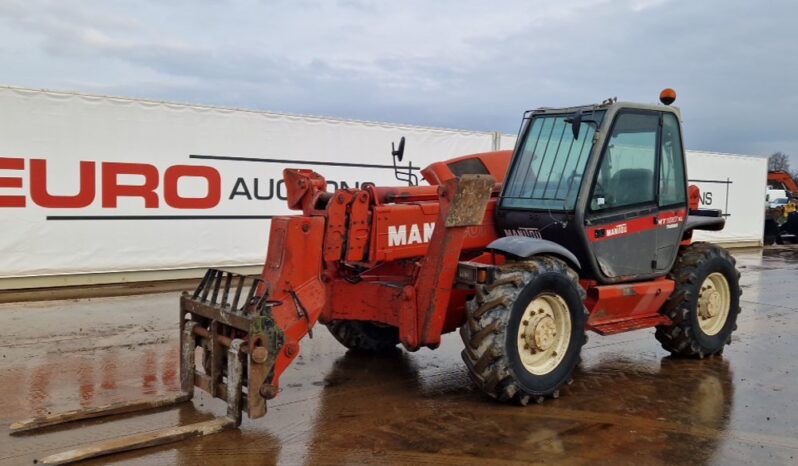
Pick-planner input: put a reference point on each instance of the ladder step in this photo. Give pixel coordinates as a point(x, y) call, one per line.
point(626, 325)
point(137, 441)
point(99, 411)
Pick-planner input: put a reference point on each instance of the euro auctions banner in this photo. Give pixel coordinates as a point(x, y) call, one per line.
point(93, 184)
point(99, 184)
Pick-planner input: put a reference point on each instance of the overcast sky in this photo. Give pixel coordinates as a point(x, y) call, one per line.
point(452, 63)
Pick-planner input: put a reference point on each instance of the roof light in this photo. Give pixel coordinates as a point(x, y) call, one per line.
point(667, 96)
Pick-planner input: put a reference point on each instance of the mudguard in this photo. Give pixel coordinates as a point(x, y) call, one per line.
point(704, 222)
point(525, 247)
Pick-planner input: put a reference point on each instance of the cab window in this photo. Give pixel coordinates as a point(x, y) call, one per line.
point(547, 173)
point(626, 175)
point(671, 172)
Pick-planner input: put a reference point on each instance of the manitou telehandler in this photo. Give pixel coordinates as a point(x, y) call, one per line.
point(585, 225)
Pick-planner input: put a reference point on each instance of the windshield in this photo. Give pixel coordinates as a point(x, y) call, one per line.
point(550, 165)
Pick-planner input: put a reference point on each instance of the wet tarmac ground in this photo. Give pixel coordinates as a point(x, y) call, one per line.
point(629, 404)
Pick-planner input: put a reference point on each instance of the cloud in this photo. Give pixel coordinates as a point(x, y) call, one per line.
point(640, 5)
point(466, 63)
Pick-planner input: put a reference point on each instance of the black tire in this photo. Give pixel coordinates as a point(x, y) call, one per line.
point(364, 336)
point(693, 265)
point(493, 318)
point(771, 231)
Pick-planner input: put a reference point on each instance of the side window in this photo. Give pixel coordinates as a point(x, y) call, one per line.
point(626, 174)
point(671, 172)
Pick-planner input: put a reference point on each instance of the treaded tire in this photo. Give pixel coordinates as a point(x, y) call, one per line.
point(364, 336)
point(693, 265)
point(771, 231)
point(494, 315)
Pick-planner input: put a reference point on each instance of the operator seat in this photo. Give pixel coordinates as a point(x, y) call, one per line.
point(633, 186)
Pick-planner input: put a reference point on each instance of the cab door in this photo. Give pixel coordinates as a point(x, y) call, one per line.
point(672, 200)
point(622, 215)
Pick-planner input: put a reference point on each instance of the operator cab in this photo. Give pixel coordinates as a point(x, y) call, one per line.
point(605, 181)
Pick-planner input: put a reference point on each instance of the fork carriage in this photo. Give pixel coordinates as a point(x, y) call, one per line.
point(238, 339)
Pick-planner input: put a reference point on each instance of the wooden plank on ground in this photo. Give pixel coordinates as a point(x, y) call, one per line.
point(137, 441)
point(99, 411)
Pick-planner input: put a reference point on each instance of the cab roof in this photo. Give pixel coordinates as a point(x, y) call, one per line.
point(609, 105)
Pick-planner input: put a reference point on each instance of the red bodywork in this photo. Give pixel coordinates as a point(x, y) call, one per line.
point(383, 255)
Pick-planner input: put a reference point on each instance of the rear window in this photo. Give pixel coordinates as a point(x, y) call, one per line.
point(472, 166)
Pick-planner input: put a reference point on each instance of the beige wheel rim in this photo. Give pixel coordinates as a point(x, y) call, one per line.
point(714, 302)
point(544, 333)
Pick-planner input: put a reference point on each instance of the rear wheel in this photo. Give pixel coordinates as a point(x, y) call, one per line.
point(705, 304)
point(524, 331)
point(364, 336)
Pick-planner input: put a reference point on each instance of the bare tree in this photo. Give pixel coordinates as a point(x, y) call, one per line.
point(779, 161)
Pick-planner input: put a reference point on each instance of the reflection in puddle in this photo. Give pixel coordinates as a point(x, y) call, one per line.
point(382, 405)
point(54, 386)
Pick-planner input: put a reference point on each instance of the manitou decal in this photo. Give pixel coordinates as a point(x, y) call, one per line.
point(528, 232)
point(404, 235)
point(617, 230)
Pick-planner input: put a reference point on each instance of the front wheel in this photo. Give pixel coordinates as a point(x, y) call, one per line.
point(524, 332)
point(704, 306)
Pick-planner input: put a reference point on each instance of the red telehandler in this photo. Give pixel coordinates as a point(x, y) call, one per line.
point(585, 226)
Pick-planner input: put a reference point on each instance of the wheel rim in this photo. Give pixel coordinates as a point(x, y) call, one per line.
point(714, 302)
point(544, 333)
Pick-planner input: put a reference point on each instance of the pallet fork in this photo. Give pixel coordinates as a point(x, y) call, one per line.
point(238, 342)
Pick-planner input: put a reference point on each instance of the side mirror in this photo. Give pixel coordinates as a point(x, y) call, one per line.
point(403, 173)
point(576, 123)
point(400, 152)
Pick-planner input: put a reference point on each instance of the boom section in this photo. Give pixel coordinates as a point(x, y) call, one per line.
point(372, 225)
